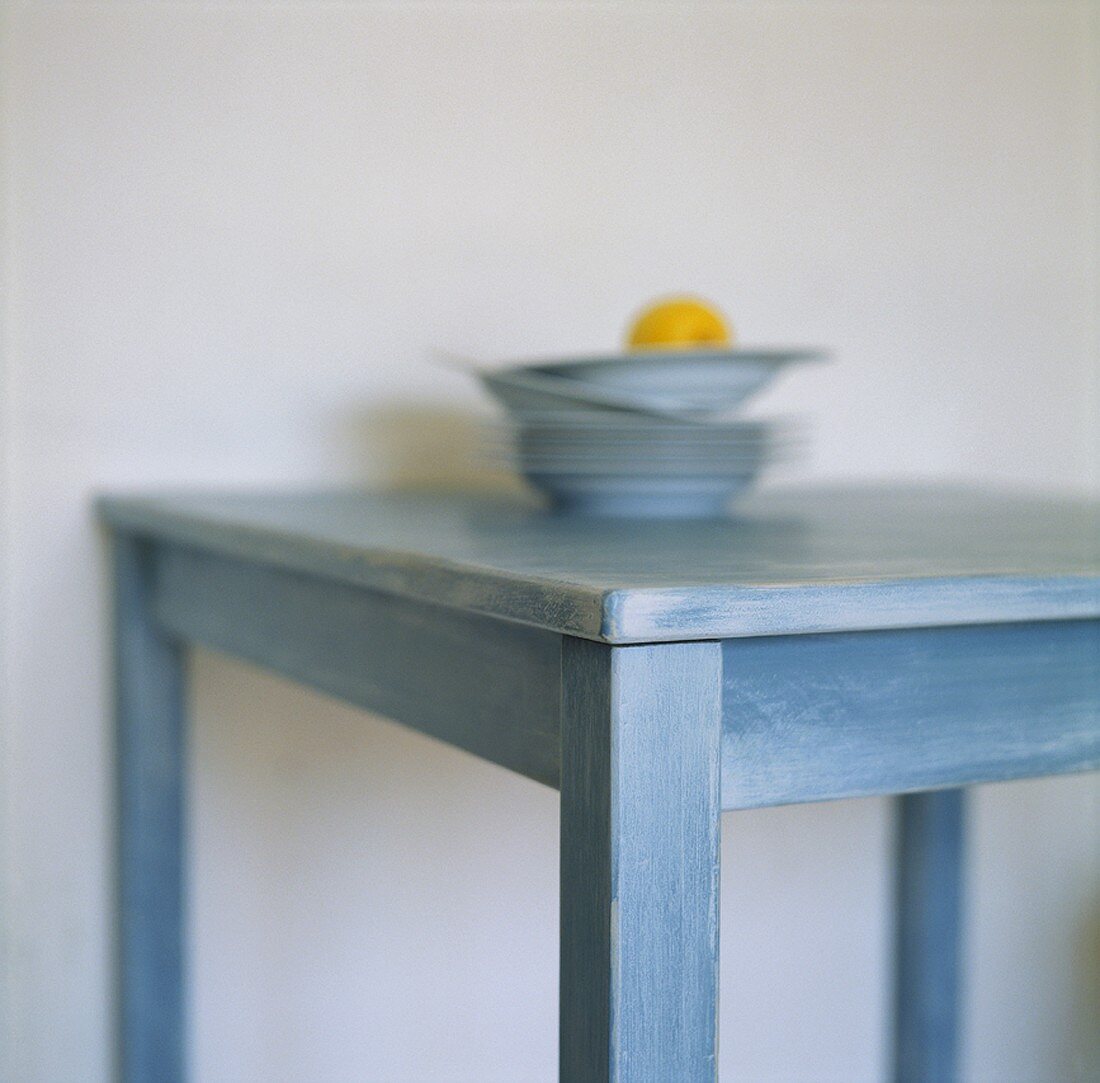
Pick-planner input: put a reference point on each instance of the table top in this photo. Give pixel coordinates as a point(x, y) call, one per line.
point(786, 562)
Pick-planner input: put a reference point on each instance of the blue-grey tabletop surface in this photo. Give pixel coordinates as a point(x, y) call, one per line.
point(784, 562)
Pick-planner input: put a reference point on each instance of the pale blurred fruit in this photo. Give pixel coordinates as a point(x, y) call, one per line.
point(679, 323)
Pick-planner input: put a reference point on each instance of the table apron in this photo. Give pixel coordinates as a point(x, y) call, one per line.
point(814, 717)
point(482, 684)
point(805, 717)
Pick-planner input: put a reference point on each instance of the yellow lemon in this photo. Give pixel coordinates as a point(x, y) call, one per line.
point(679, 323)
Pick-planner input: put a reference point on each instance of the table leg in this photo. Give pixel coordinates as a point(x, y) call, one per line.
point(640, 812)
point(150, 750)
point(929, 897)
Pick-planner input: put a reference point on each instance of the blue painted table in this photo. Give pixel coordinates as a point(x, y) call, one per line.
point(818, 645)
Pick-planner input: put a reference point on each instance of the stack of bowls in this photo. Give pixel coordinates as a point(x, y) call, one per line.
point(641, 434)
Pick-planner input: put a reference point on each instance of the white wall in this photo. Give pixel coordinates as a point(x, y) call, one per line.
point(233, 234)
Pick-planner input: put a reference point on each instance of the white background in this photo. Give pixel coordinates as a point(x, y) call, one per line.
point(233, 234)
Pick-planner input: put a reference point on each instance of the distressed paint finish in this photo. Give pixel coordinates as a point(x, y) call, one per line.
point(787, 563)
point(929, 905)
point(639, 862)
point(483, 685)
point(150, 763)
point(874, 642)
point(809, 718)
